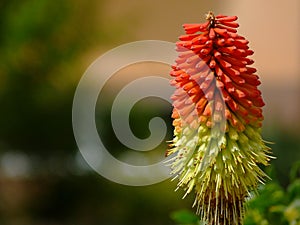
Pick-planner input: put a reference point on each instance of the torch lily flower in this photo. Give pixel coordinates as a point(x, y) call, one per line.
point(217, 145)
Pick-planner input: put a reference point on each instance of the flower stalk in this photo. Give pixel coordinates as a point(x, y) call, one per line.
point(217, 146)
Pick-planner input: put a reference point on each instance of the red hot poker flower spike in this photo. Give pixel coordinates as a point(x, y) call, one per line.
point(217, 114)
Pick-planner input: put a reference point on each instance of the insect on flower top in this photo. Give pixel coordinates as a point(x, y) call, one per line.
point(217, 114)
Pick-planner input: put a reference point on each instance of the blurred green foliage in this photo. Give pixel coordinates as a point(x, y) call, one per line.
point(185, 217)
point(42, 43)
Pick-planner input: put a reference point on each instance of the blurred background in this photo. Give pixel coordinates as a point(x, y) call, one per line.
point(45, 47)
